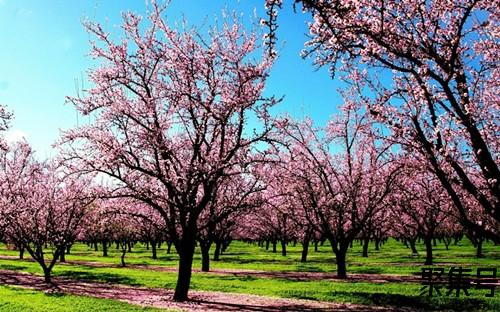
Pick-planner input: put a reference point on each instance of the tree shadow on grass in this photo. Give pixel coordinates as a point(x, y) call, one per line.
point(12, 267)
point(368, 270)
point(89, 276)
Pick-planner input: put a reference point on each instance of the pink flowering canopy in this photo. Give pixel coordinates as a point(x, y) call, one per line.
point(170, 113)
point(428, 70)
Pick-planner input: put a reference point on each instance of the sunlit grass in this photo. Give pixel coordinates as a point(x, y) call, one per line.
point(19, 299)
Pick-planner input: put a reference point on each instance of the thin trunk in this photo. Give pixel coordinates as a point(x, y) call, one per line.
point(366, 241)
point(315, 245)
point(218, 246)
point(267, 245)
point(413, 246)
point(274, 246)
point(153, 249)
point(169, 247)
point(283, 248)
point(124, 251)
point(428, 251)
point(21, 252)
point(305, 249)
point(205, 257)
point(479, 248)
point(104, 248)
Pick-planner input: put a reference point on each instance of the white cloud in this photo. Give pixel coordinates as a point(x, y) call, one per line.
point(15, 135)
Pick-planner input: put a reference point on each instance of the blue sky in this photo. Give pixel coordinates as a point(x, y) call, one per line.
point(43, 51)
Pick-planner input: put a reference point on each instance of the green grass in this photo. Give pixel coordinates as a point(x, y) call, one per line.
point(19, 299)
point(393, 258)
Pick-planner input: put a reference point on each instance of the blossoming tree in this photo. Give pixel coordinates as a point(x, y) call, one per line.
point(171, 111)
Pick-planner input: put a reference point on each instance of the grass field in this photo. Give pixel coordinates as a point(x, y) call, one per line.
point(393, 258)
point(18, 299)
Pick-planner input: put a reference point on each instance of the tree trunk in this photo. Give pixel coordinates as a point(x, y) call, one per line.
point(96, 248)
point(147, 245)
point(153, 249)
point(479, 248)
point(274, 246)
point(124, 251)
point(366, 241)
point(21, 252)
point(283, 248)
point(169, 247)
point(46, 275)
point(129, 245)
point(217, 251)
point(377, 244)
point(186, 251)
point(68, 250)
point(104, 248)
point(267, 245)
point(428, 251)
point(305, 249)
point(316, 245)
point(205, 257)
point(413, 247)
point(341, 263)
point(62, 257)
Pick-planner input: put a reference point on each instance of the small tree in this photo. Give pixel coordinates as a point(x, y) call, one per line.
point(42, 206)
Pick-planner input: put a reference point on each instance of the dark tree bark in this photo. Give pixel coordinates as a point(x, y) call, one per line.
point(366, 242)
point(413, 246)
point(218, 246)
point(305, 246)
point(428, 251)
point(185, 249)
point(479, 248)
point(21, 252)
point(283, 247)
point(153, 249)
point(169, 247)
point(104, 248)
point(205, 257)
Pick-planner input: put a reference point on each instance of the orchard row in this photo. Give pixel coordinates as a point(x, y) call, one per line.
point(182, 147)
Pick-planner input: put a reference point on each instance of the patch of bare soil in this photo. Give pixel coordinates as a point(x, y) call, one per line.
point(161, 298)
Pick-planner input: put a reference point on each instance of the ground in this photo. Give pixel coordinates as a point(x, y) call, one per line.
point(247, 278)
